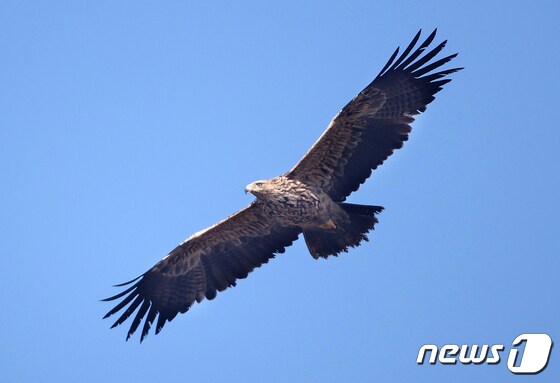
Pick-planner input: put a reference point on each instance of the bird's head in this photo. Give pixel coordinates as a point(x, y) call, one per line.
point(257, 188)
point(265, 189)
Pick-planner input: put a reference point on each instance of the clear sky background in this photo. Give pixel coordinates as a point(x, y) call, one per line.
point(127, 126)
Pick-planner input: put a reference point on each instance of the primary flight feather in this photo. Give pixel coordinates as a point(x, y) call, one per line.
point(308, 199)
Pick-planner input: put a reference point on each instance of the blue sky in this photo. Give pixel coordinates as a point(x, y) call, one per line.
point(127, 126)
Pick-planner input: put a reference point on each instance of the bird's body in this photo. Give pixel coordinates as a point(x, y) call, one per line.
point(308, 199)
point(328, 226)
point(292, 202)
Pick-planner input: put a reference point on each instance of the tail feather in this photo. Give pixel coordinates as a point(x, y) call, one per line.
point(351, 208)
point(325, 242)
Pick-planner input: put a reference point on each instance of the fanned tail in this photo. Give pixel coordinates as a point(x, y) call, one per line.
point(324, 242)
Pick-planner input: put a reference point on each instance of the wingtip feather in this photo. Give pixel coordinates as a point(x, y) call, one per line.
point(129, 282)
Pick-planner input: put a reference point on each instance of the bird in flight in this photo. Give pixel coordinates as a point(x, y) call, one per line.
point(308, 199)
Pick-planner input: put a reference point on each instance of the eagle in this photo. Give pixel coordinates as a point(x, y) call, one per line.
point(308, 199)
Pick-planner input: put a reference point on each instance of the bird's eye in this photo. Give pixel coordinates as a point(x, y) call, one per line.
point(259, 184)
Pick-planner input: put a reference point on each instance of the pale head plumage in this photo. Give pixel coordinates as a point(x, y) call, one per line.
point(268, 189)
point(258, 188)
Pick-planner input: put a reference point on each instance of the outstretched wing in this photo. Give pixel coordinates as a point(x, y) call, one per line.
point(375, 123)
point(208, 262)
